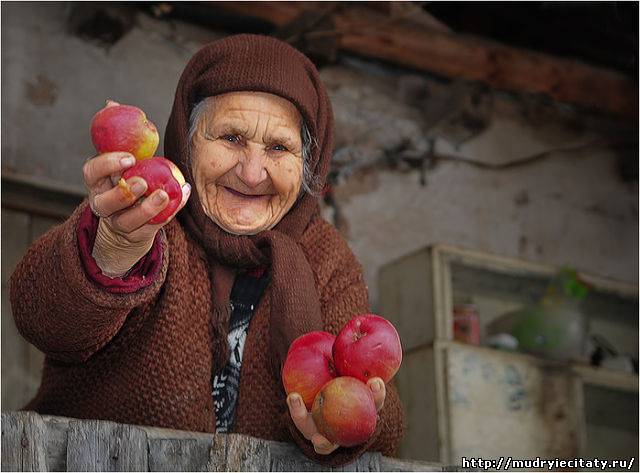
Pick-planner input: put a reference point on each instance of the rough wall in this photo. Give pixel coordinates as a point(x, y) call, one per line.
point(391, 195)
point(54, 81)
point(437, 167)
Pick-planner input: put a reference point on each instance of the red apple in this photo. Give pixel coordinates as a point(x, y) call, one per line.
point(159, 173)
point(318, 339)
point(309, 365)
point(124, 128)
point(368, 346)
point(344, 411)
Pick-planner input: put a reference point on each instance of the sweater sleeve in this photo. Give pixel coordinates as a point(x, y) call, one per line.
point(142, 274)
point(345, 296)
point(62, 310)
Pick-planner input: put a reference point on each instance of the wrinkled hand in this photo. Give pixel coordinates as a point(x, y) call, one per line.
point(124, 234)
point(305, 424)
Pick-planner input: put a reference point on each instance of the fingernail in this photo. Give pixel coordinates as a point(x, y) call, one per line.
point(321, 442)
point(128, 161)
point(159, 197)
point(186, 189)
point(138, 187)
point(295, 401)
point(376, 386)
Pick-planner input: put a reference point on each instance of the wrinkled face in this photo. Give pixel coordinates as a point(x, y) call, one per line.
point(246, 158)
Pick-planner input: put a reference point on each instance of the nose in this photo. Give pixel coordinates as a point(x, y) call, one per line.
point(251, 168)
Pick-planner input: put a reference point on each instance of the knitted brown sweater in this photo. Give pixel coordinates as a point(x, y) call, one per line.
point(145, 357)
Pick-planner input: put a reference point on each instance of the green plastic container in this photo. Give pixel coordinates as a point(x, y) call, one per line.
point(556, 327)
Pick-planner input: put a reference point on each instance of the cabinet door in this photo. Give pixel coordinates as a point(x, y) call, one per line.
point(501, 404)
point(610, 422)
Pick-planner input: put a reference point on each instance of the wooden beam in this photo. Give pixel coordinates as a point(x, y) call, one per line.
point(410, 42)
point(500, 66)
point(277, 13)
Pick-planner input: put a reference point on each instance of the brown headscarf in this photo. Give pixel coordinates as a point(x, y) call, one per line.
point(264, 64)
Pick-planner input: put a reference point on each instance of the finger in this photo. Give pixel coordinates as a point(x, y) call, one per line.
point(186, 192)
point(111, 103)
point(104, 165)
point(322, 445)
point(132, 219)
point(117, 198)
point(379, 391)
point(300, 416)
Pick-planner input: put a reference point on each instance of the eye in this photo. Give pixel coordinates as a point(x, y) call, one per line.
point(231, 138)
point(280, 148)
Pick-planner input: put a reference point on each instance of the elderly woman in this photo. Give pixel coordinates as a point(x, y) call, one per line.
point(186, 325)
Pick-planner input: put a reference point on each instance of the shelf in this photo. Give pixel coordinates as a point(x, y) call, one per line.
point(419, 291)
point(469, 400)
point(502, 286)
point(607, 378)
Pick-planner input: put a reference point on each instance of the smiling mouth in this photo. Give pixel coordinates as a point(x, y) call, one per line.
point(240, 194)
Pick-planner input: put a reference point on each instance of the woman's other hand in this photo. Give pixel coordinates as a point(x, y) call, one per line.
point(303, 419)
point(124, 236)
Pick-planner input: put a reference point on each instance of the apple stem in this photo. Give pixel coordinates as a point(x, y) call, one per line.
point(358, 335)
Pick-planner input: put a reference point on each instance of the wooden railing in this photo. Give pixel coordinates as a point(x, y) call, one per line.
point(31, 442)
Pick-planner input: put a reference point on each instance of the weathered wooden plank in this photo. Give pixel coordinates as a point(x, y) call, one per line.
point(21, 362)
point(13, 360)
point(393, 464)
point(366, 462)
point(23, 442)
point(57, 429)
point(417, 389)
point(31, 442)
point(106, 446)
point(16, 386)
point(288, 457)
point(35, 196)
point(15, 240)
point(294, 464)
point(405, 299)
point(233, 452)
point(500, 66)
point(179, 454)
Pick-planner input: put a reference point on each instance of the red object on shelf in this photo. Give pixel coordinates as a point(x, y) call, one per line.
point(466, 324)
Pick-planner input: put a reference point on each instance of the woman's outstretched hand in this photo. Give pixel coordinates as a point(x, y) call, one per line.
point(124, 234)
point(305, 424)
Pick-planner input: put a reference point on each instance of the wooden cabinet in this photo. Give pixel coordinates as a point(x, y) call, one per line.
point(608, 402)
point(474, 401)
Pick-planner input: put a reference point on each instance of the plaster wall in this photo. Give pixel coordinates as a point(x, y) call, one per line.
point(568, 208)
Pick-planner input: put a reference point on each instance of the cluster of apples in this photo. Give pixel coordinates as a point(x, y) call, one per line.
point(126, 128)
point(330, 373)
